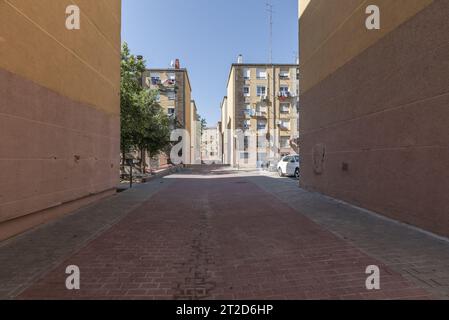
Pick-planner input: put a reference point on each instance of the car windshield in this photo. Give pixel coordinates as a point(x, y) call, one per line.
point(287, 159)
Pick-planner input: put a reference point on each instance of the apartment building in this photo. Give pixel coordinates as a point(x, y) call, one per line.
point(196, 134)
point(259, 113)
point(175, 96)
point(59, 109)
point(210, 145)
point(374, 107)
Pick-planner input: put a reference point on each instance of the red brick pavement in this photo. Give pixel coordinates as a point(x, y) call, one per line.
point(219, 239)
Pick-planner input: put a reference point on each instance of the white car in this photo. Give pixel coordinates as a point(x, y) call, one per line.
point(289, 166)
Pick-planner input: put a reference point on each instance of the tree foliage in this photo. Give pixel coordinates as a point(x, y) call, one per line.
point(203, 124)
point(144, 124)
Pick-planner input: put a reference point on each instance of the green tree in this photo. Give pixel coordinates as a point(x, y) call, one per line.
point(203, 122)
point(144, 125)
point(154, 126)
point(130, 88)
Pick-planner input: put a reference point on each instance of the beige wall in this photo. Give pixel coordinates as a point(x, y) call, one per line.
point(81, 64)
point(59, 111)
point(374, 107)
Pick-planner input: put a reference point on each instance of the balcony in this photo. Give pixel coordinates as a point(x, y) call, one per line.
point(249, 113)
point(284, 125)
point(260, 114)
point(264, 98)
point(285, 95)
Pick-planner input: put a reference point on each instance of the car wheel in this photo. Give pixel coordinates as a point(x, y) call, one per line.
point(280, 172)
point(297, 173)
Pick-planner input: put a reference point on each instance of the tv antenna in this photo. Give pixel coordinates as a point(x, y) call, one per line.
point(270, 11)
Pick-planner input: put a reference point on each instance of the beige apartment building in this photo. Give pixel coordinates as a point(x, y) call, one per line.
point(210, 145)
point(175, 96)
point(196, 134)
point(259, 114)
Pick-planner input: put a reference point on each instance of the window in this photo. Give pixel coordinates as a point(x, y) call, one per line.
point(246, 91)
point(246, 142)
point(284, 89)
point(261, 73)
point(285, 142)
point(155, 78)
point(244, 155)
point(171, 111)
point(247, 73)
point(285, 108)
point(261, 108)
point(247, 124)
point(261, 125)
point(248, 110)
point(285, 124)
point(261, 91)
point(158, 97)
point(171, 76)
point(171, 96)
point(284, 74)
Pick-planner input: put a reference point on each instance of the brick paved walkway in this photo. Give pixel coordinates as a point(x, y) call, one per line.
point(220, 236)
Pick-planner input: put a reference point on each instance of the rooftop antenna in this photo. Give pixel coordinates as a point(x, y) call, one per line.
point(270, 11)
point(296, 54)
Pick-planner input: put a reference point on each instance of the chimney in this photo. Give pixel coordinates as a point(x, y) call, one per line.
point(177, 64)
point(240, 59)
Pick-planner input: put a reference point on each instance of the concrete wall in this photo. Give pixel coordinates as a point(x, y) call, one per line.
point(59, 109)
point(374, 107)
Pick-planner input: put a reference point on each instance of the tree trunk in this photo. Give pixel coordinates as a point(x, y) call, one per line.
point(123, 161)
point(142, 160)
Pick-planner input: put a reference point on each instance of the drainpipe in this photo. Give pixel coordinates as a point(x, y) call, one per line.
point(274, 108)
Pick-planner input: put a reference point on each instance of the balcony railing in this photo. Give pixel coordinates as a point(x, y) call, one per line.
point(249, 113)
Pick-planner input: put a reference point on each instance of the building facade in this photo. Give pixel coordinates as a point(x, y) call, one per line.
point(175, 98)
point(259, 114)
point(196, 134)
point(210, 145)
point(374, 106)
point(59, 109)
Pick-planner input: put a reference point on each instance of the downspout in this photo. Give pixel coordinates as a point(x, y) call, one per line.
point(274, 109)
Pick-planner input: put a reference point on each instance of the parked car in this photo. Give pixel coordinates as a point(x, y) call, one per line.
point(289, 166)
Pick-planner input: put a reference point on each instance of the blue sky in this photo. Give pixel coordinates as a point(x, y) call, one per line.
point(207, 36)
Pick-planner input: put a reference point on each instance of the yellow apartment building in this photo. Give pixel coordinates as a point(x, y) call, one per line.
point(259, 114)
point(175, 98)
